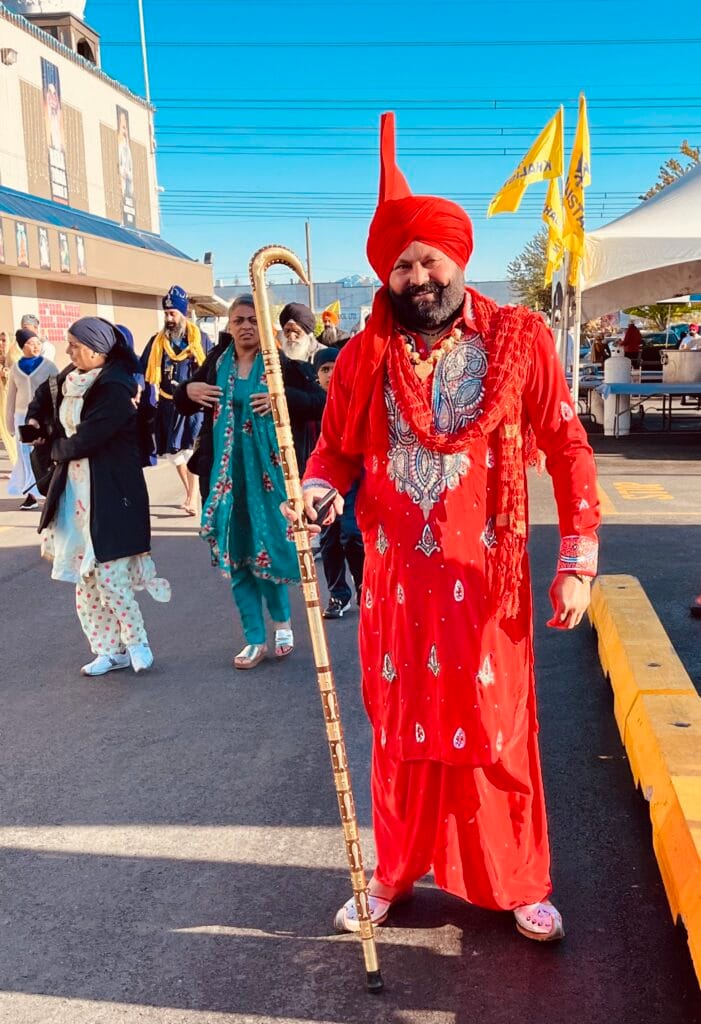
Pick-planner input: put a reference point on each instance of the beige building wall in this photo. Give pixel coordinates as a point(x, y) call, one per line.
point(87, 96)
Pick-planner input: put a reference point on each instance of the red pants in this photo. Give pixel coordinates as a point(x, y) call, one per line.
point(482, 831)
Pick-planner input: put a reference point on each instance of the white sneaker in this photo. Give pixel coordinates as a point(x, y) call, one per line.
point(104, 663)
point(141, 657)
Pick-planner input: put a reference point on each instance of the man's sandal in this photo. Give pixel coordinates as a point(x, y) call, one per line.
point(250, 656)
point(346, 920)
point(540, 921)
point(695, 608)
point(284, 642)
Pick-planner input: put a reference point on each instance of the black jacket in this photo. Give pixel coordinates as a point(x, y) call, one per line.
point(108, 436)
point(305, 402)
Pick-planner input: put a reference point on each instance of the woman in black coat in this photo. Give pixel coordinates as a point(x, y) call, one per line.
point(95, 524)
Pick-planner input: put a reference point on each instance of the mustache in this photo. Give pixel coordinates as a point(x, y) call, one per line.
point(430, 288)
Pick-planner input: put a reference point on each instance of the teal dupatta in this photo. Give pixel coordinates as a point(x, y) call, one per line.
point(255, 453)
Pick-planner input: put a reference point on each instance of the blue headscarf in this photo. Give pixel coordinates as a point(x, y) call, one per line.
point(99, 335)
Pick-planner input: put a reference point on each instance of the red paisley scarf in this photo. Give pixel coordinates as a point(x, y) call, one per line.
point(509, 334)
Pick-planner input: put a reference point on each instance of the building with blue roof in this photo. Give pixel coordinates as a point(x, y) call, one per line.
point(79, 197)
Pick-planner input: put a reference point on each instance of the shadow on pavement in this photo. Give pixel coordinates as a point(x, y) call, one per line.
point(194, 745)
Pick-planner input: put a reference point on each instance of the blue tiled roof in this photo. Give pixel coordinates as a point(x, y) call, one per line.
point(19, 204)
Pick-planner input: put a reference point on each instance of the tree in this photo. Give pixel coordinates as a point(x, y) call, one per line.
point(526, 274)
point(671, 170)
point(666, 312)
point(607, 324)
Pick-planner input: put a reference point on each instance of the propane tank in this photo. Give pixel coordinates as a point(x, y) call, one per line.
point(617, 370)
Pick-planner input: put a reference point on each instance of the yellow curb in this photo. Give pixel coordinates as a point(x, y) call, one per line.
point(658, 713)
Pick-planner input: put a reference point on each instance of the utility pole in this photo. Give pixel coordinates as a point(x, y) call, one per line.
point(151, 124)
point(308, 230)
point(142, 27)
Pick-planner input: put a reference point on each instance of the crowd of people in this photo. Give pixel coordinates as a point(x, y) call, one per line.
point(206, 410)
point(424, 423)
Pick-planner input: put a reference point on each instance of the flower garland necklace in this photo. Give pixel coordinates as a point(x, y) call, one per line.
point(424, 367)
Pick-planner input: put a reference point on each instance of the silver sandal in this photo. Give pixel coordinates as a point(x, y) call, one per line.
point(540, 921)
point(284, 638)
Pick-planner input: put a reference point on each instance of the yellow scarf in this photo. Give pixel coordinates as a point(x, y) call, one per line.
point(161, 346)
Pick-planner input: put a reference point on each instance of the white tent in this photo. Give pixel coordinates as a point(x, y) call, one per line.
point(652, 252)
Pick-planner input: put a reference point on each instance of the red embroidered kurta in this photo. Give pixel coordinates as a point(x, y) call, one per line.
point(444, 678)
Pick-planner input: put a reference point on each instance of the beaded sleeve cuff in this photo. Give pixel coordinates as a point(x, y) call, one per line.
point(578, 555)
point(316, 482)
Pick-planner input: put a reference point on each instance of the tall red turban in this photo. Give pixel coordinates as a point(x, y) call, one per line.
point(402, 218)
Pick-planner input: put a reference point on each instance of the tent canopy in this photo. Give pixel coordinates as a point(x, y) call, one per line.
point(650, 252)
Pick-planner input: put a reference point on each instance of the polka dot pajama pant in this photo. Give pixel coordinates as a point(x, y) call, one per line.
point(108, 610)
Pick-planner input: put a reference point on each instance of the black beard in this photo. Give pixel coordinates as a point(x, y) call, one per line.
point(429, 315)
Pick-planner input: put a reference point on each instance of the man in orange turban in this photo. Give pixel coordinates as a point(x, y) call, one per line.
point(331, 333)
point(434, 406)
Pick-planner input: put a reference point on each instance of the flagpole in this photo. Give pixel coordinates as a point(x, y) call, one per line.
point(561, 333)
point(576, 333)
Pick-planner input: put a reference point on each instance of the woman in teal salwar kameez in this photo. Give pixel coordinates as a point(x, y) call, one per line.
point(249, 540)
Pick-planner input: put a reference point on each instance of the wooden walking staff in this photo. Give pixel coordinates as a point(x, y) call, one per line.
point(261, 262)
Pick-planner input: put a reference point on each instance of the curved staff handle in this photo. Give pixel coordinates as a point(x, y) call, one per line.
point(261, 262)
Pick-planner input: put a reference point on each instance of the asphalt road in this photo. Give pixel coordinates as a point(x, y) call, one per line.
point(170, 844)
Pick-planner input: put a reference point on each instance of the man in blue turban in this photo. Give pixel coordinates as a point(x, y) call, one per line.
point(171, 357)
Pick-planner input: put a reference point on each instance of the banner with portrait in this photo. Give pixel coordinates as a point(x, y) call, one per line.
point(126, 168)
point(22, 243)
point(55, 138)
point(44, 249)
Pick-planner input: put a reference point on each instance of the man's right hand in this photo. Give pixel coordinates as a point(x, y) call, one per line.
point(312, 494)
point(203, 394)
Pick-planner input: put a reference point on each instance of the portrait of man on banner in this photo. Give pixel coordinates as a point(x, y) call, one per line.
point(126, 168)
point(22, 244)
point(55, 139)
point(81, 264)
point(64, 253)
point(44, 250)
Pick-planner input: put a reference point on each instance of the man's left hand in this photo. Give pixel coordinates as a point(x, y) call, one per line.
point(570, 598)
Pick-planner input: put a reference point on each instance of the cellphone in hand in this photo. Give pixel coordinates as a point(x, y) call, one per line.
point(28, 433)
point(323, 505)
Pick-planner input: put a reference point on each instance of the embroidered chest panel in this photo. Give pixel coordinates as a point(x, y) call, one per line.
point(458, 391)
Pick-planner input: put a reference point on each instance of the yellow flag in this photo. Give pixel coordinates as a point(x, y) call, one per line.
point(553, 217)
point(544, 160)
point(578, 178)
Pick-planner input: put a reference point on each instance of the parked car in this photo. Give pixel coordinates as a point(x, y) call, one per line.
point(654, 342)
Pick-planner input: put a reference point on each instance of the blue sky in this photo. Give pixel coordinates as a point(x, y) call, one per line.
point(268, 111)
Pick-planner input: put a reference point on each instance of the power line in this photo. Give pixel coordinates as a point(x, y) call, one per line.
point(371, 130)
point(395, 44)
point(349, 151)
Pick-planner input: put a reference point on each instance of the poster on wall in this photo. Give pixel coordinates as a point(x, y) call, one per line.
point(22, 244)
point(44, 251)
point(2, 245)
point(81, 265)
point(64, 253)
point(55, 139)
point(126, 168)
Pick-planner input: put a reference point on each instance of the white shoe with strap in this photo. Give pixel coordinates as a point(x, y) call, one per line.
point(141, 657)
point(105, 663)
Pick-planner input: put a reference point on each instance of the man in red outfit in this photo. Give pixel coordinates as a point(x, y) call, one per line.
point(439, 404)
